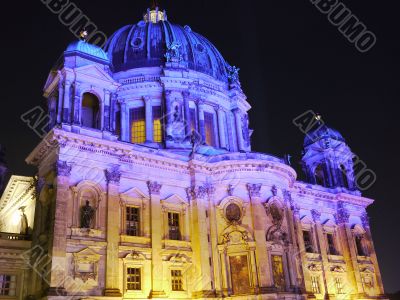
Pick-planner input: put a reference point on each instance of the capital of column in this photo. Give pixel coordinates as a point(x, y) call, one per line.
point(254, 189)
point(147, 99)
point(342, 215)
point(196, 192)
point(154, 187)
point(113, 175)
point(316, 215)
point(63, 168)
point(186, 94)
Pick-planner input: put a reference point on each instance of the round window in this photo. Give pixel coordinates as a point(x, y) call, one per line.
point(233, 213)
point(137, 42)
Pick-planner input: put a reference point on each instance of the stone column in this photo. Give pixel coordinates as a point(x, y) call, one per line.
point(302, 256)
point(77, 104)
point(113, 113)
point(106, 111)
point(200, 109)
point(200, 241)
point(60, 98)
point(157, 290)
point(168, 113)
point(216, 257)
point(327, 280)
point(372, 253)
point(67, 103)
point(349, 252)
point(221, 127)
point(149, 119)
point(113, 177)
point(58, 245)
point(125, 122)
point(259, 224)
point(188, 117)
point(238, 123)
point(231, 131)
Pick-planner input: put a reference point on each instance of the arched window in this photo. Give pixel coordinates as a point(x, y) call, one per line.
point(209, 129)
point(319, 175)
point(157, 128)
point(138, 125)
point(343, 173)
point(90, 115)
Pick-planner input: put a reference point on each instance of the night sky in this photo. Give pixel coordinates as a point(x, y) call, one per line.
point(291, 58)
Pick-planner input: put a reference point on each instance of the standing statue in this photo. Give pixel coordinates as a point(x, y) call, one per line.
point(24, 228)
point(87, 216)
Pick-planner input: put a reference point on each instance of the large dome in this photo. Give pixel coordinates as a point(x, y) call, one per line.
point(146, 44)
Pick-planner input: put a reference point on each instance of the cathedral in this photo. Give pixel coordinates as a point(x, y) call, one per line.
point(147, 187)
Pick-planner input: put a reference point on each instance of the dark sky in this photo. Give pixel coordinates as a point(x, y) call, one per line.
point(291, 58)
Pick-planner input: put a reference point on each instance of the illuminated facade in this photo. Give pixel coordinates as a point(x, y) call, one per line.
point(148, 188)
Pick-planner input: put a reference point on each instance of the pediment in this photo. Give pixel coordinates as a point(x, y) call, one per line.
point(134, 193)
point(306, 219)
point(96, 73)
point(87, 254)
point(175, 199)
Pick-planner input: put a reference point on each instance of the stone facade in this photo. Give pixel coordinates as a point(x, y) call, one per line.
point(149, 187)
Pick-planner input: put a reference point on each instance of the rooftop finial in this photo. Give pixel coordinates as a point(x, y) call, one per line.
point(83, 35)
point(155, 14)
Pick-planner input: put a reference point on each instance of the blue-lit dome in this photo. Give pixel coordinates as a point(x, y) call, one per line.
point(322, 132)
point(146, 44)
point(85, 48)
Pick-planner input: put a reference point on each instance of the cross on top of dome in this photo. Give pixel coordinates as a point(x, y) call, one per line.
point(155, 15)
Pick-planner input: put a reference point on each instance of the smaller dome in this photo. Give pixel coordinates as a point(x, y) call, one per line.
point(87, 49)
point(322, 132)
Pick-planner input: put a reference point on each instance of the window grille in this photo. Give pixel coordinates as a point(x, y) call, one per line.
point(209, 128)
point(177, 280)
point(7, 285)
point(133, 279)
point(157, 127)
point(132, 221)
point(138, 125)
point(173, 223)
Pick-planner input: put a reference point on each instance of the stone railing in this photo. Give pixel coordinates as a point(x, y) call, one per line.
point(14, 236)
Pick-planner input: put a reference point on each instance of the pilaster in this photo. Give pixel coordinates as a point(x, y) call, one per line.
point(157, 290)
point(113, 177)
point(149, 119)
point(221, 127)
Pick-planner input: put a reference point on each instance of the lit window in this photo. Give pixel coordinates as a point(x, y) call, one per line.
point(176, 280)
point(315, 285)
point(308, 241)
point(339, 285)
point(277, 272)
point(157, 129)
point(132, 221)
point(7, 285)
point(173, 224)
point(133, 279)
point(193, 126)
point(138, 125)
point(209, 128)
point(331, 244)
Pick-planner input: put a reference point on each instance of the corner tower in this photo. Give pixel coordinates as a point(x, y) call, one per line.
point(327, 160)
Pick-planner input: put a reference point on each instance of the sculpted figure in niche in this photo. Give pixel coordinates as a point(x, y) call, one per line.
point(87, 215)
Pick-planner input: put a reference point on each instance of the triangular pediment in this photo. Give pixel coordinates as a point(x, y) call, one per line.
point(175, 199)
point(95, 72)
point(135, 193)
point(87, 253)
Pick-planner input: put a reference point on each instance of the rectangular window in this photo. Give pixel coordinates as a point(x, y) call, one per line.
point(308, 241)
point(209, 128)
point(132, 221)
point(133, 279)
point(339, 285)
point(7, 285)
point(193, 126)
point(331, 244)
point(277, 272)
point(315, 285)
point(173, 224)
point(157, 128)
point(176, 280)
point(138, 125)
point(359, 245)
